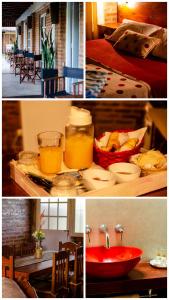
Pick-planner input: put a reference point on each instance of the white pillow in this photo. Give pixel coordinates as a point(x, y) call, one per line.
point(147, 27)
point(138, 27)
point(161, 49)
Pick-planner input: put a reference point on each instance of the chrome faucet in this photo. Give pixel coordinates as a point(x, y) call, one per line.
point(119, 229)
point(103, 229)
point(88, 231)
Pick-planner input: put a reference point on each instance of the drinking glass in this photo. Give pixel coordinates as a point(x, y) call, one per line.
point(51, 151)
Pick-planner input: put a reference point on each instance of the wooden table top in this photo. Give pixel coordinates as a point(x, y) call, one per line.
point(142, 277)
point(36, 269)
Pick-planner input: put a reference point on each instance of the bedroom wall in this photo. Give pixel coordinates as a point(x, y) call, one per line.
point(148, 12)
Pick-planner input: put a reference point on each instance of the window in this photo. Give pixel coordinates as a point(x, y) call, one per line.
point(29, 48)
point(42, 28)
point(55, 213)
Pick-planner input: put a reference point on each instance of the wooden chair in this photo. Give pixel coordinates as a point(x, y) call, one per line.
point(8, 267)
point(76, 279)
point(8, 250)
point(27, 248)
point(18, 62)
point(27, 68)
point(26, 287)
point(55, 86)
point(68, 246)
point(37, 65)
point(58, 287)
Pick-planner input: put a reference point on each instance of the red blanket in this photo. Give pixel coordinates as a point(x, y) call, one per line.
point(151, 70)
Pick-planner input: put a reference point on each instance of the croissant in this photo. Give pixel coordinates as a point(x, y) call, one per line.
point(129, 145)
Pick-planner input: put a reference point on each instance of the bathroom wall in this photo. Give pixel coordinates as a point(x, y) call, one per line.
point(144, 220)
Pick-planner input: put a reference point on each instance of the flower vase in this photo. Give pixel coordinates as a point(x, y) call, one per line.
point(38, 250)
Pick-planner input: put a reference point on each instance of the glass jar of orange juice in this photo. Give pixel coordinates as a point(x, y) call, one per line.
point(79, 136)
point(51, 151)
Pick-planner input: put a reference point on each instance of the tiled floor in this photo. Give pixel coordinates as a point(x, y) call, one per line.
point(11, 86)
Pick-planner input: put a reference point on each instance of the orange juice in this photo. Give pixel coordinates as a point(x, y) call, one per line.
point(50, 159)
point(78, 151)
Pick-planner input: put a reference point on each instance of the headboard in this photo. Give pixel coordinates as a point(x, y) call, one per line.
point(148, 12)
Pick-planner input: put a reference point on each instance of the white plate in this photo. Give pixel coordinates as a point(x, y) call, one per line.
point(158, 263)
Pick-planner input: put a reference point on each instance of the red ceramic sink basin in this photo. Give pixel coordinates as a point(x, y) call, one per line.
point(113, 262)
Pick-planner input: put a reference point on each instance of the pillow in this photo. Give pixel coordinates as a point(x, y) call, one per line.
point(136, 27)
point(137, 44)
point(161, 49)
point(147, 28)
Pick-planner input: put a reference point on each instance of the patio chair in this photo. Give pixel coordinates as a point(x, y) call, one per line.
point(37, 65)
point(8, 267)
point(27, 68)
point(18, 61)
point(76, 278)
point(55, 86)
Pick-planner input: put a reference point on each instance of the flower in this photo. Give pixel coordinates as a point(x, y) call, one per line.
point(38, 235)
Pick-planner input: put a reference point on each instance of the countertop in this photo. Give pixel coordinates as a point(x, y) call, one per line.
point(142, 277)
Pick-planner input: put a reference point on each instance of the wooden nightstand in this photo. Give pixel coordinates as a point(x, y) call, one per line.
point(107, 29)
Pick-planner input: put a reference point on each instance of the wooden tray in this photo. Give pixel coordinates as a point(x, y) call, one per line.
point(137, 187)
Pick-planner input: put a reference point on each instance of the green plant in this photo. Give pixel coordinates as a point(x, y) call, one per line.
point(15, 46)
point(47, 49)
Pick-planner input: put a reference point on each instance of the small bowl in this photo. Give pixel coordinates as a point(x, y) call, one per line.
point(98, 179)
point(125, 172)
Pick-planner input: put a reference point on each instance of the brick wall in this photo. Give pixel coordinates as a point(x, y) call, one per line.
point(61, 38)
point(11, 121)
point(16, 221)
point(110, 115)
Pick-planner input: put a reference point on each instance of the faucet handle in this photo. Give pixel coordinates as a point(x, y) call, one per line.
point(88, 229)
point(119, 228)
point(103, 228)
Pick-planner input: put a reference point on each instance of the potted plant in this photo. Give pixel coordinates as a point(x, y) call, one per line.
point(48, 56)
point(39, 236)
point(15, 46)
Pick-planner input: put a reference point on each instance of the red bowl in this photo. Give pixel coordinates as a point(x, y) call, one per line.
point(104, 159)
point(102, 262)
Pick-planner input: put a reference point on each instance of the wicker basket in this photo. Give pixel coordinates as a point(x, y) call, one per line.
point(104, 159)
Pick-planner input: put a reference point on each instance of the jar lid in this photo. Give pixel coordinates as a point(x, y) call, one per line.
point(64, 181)
point(79, 116)
point(27, 157)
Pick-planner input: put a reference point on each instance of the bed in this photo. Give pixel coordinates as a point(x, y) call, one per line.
point(151, 70)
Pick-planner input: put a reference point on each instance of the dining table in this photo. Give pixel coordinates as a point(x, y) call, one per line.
point(30, 267)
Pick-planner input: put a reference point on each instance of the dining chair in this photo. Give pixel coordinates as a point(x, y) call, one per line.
point(8, 267)
point(58, 286)
point(68, 246)
point(76, 278)
point(56, 86)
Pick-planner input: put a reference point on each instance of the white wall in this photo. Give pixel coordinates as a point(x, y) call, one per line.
point(38, 116)
point(144, 220)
